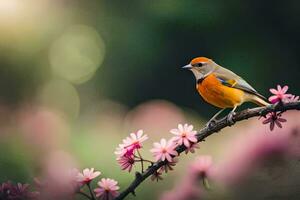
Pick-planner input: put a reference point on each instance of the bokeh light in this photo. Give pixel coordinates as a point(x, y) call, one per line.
point(62, 96)
point(77, 54)
point(28, 26)
point(44, 130)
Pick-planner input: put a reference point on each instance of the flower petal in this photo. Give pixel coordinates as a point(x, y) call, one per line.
point(284, 89)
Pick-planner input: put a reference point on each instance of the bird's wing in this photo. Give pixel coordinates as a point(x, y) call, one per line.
point(230, 79)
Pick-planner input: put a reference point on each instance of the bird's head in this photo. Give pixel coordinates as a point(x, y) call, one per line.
point(201, 67)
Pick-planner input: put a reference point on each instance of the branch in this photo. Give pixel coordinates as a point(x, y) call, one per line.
point(207, 131)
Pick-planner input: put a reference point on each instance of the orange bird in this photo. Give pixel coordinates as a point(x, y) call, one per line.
point(221, 87)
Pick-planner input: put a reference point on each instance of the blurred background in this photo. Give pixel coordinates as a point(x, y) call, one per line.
point(77, 76)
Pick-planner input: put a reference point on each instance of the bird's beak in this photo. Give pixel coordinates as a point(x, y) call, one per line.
point(189, 66)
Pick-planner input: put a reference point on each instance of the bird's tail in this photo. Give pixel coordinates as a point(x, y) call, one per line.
point(259, 100)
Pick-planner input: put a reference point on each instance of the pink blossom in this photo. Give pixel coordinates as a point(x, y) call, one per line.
point(122, 151)
point(202, 165)
point(192, 148)
point(136, 139)
point(164, 150)
point(87, 176)
point(184, 135)
point(108, 189)
point(292, 98)
point(279, 94)
point(130, 144)
point(126, 162)
point(274, 119)
point(169, 166)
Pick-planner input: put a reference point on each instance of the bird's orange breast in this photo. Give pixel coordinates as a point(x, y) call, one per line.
point(217, 94)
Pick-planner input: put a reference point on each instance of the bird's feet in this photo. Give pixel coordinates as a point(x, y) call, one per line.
point(212, 122)
point(230, 118)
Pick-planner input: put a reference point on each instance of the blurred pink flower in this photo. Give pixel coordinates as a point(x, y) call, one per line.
point(72, 176)
point(192, 148)
point(279, 94)
point(169, 165)
point(247, 153)
point(164, 150)
point(58, 180)
point(201, 166)
point(274, 118)
point(126, 162)
point(44, 129)
point(155, 116)
point(130, 144)
point(87, 176)
point(108, 189)
point(122, 151)
point(15, 192)
point(187, 189)
point(184, 135)
point(156, 176)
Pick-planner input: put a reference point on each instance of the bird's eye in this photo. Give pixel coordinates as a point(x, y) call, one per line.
point(199, 64)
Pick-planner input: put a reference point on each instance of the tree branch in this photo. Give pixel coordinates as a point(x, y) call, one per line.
point(205, 132)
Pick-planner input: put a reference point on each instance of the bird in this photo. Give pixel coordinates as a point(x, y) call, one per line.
point(222, 88)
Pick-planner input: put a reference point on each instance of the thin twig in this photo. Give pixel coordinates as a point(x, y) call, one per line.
point(91, 192)
point(142, 160)
point(145, 160)
point(207, 131)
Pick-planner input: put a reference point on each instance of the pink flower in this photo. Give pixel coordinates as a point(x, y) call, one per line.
point(130, 144)
point(184, 135)
point(274, 118)
point(279, 94)
point(293, 98)
point(121, 150)
point(126, 162)
point(202, 165)
point(164, 150)
point(135, 140)
point(108, 189)
point(87, 176)
point(169, 166)
point(192, 148)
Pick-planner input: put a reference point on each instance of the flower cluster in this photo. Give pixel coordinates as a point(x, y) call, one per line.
point(107, 188)
point(166, 150)
point(128, 153)
point(165, 153)
point(184, 135)
point(279, 96)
